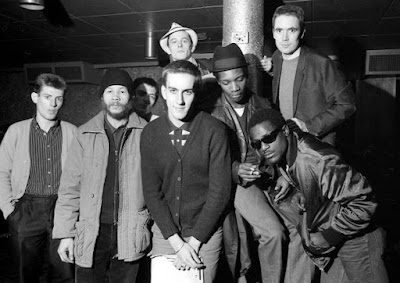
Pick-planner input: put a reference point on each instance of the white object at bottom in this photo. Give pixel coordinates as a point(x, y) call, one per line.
point(164, 271)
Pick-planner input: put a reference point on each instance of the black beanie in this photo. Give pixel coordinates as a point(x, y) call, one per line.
point(116, 76)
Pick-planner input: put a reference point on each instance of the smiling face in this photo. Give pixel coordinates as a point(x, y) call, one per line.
point(180, 45)
point(179, 95)
point(145, 98)
point(272, 152)
point(287, 34)
point(233, 83)
point(48, 102)
point(116, 101)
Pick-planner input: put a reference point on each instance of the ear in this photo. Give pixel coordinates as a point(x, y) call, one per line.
point(34, 97)
point(164, 92)
point(302, 35)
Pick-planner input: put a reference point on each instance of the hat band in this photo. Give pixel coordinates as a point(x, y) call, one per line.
point(229, 63)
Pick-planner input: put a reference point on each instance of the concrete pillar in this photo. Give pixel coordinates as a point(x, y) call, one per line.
point(243, 24)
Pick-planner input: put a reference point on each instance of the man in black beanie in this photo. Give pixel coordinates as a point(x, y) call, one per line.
point(100, 214)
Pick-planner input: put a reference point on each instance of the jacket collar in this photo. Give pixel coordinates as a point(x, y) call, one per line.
point(291, 152)
point(96, 124)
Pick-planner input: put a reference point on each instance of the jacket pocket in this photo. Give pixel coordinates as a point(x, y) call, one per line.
point(142, 233)
point(79, 239)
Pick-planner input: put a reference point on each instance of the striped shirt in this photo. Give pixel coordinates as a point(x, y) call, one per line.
point(45, 154)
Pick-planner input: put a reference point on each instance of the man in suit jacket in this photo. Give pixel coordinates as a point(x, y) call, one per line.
point(307, 86)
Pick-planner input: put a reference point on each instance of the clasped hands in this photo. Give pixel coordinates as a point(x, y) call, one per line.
point(188, 255)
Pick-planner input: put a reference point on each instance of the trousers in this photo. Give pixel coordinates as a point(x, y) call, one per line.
point(255, 208)
point(34, 250)
point(106, 265)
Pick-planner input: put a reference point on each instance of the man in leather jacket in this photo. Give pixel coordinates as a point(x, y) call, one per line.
point(331, 211)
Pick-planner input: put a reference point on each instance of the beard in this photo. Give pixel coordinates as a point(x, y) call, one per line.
point(126, 110)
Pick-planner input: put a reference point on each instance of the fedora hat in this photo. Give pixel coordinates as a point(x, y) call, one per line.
point(174, 28)
point(227, 58)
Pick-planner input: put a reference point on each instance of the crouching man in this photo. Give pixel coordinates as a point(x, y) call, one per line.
point(332, 208)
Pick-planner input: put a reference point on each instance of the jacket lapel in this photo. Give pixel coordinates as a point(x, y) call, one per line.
point(298, 80)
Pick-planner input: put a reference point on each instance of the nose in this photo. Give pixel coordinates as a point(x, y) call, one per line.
point(53, 102)
point(146, 99)
point(234, 86)
point(285, 36)
point(179, 99)
point(115, 96)
point(264, 145)
point(179, 43)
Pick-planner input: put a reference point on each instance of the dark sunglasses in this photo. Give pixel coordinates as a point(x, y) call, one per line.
point(266, 139)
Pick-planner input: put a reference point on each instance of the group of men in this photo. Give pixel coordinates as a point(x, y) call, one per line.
point(184, 187)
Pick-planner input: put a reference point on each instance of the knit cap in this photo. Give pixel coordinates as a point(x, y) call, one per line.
point(116, 76)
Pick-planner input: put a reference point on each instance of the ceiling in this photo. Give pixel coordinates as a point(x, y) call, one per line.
point(114, 31)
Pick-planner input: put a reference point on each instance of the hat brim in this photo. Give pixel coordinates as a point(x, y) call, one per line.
point(164, 39)
point(228, 64)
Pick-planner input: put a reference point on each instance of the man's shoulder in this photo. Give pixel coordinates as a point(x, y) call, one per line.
point(96, 122)
point(314, 55)
point(69, 126)
point(211, 121)
point(309, 144)
point(19, 126)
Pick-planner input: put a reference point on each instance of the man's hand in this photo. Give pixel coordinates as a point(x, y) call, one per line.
point(187, 258)
point(318, 240)
point(299, 202)
point(301, 124)
point(284, 187)
point(66, 250)
point(266, 64)
point(249, 172)
point(194, 243)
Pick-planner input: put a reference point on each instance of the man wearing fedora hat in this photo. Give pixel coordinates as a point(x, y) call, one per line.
point(235, 105)
point(179, 43)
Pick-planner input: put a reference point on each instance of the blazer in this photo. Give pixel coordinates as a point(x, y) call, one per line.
point(322, 98)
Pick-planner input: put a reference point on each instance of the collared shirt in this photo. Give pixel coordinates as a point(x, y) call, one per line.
point(45, 154)
point(179, 135)
point(110, 203)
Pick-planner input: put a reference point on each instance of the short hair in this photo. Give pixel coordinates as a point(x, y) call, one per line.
point(245, 72)
point(272, 116)
point(290, 10)
point(144, 80)
point(183, 67)
point(47, 79)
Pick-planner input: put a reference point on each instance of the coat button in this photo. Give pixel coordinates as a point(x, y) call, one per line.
point(92, 195)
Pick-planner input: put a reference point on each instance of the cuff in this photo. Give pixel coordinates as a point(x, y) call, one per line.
point(332, 236)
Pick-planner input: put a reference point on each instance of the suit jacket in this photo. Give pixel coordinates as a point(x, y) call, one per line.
point(322, 98)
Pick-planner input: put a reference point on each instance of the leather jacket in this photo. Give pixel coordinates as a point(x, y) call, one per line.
point(339, 201)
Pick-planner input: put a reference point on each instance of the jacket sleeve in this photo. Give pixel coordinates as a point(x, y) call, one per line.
point(152, 184)
point(338, 93)
point(7, 150)
point(219, 191)
point(67, 206)
point(351, 191)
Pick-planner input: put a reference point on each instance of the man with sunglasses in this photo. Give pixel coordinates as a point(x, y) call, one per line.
point(330, 212)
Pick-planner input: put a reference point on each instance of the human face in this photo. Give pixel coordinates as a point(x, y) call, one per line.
point(233, 83)
point(116, 101)
point(272, 152)
point(287, 34)
point(145, 97)
point(179, 95)
point(180, 45)
point(48, 102)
